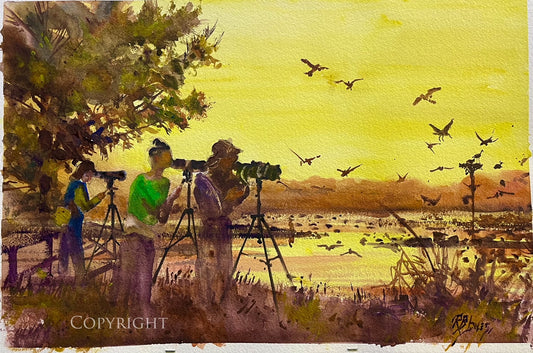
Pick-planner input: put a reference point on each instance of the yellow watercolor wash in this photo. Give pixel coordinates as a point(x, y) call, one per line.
point(477, 51)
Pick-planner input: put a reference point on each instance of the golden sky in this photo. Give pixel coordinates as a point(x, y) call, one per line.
point(477, 51)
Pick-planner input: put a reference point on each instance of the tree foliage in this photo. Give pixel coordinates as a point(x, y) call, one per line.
point(83, 78)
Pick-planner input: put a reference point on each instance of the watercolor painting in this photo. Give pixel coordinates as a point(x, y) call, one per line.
point(287, 171)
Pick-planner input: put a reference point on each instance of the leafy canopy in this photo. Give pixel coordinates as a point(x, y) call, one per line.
point(81, 78)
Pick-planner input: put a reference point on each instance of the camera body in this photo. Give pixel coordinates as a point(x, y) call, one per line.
point(111, 176)
point(257, 170)
point(190, 165)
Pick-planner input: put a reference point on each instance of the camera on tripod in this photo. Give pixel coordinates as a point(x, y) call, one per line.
point(257, 170)
point(252, 170)
point(111, 176)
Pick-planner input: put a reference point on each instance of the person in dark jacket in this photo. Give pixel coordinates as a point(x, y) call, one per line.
point(77, 201)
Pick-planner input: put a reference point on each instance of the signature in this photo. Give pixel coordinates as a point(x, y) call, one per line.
point(463, 323)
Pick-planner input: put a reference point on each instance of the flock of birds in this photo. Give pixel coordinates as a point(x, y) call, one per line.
point(441, 133)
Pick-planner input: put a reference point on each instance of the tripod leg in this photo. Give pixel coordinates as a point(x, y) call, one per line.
point(268, 264)
point(277, 250)
point(97, 243)
point(242, 247)
point(194, 238)
point(156, 273)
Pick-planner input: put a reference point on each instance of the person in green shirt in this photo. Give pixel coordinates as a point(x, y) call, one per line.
point(149, 206)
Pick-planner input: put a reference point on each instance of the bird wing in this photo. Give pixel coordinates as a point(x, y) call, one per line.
point(307, 62)
point(437, 199)
point(433, 90)
point(424, 198)
point(355, 80)
point(417, 100)
point(437, 130)
point(297, 155)
point(479, 137)
point(340, 81)
point(322, 246)
point(448, 126)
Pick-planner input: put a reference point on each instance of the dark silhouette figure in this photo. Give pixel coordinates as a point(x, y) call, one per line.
point(441, 168)
point(427, 96)
point(329, 247)
point(477, 155)
point(401, 179)
point(349, 170)
point(305, 160)
point(349, 84)
point(430, 202)
point(485, 142)
point(313, 67)
point(350, 251)
point(498, 165)
point(523, 160)
point(431, 145)
point(502, 183)
point(500, 193)
point(441, 133)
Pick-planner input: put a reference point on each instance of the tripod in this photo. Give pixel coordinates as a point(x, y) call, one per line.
point(113, 210)
point(261, 224)
point(189, 212)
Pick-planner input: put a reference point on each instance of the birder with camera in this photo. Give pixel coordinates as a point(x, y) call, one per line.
point(217, 193)
point(149, 206)
point(77, 201)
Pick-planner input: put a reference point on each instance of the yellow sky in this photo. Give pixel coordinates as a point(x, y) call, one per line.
point(477, 51)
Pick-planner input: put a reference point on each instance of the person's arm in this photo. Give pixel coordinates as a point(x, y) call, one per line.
point(166, 208)
point(81, 199)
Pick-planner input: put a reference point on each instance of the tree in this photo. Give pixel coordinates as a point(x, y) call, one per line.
point(84, 78)
point(470, 167)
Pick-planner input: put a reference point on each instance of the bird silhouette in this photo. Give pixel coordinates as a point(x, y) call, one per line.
point(431, 145)
point(523, 160)
point(350, 251)
point(430, 202)
point(322, 188)
point(485, 142)
point(441, 168)
point(329, 247)
point(427, 96)
point(313, 67)
point(349, 84)
point(500, 193)
point(498, 165)
point(282, 183)
point(441, 133)
point(348, 171)
point(305, 160)
point(477, 155)
point(401, 179)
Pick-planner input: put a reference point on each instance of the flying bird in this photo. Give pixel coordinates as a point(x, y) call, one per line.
point(431, 145)
point(427, 96)
point(485, 142)
point(477, 155)
point(401, 179)
point(523, 160)
point(498, 165)
point(350, 251)
point(441, 133)
point(441, 168)
point(306, 160)
point(500, 193)
point(349, 84)
point(329, 247)
point(348, 171)
point(314, 68)
point(430, 202)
